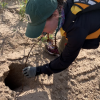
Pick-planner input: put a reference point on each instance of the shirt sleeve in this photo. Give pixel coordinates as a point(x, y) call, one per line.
point(76, 34)
point(76, 38)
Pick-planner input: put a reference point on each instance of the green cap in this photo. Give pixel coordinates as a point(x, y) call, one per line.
point(37, 12)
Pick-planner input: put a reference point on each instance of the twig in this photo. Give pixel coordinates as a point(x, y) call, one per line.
point(27, 59)
point(55, 42)
point(24, 49)
point(31, 50)
point(2, 46)
point(48, 37)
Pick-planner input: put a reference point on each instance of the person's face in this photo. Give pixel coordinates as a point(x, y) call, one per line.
point(52, 23)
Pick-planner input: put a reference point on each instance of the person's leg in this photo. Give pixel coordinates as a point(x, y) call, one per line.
point(62, 44)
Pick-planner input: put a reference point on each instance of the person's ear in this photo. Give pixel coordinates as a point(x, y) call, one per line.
point(56, 13)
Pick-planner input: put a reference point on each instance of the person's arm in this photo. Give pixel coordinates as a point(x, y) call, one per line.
point(76, 38)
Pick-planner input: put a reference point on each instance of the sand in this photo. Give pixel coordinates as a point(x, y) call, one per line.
point(81, 81)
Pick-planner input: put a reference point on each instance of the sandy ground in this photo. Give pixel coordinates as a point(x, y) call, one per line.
point(81, 81)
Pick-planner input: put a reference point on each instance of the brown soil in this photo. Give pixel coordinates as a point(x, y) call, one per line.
point(81, 81)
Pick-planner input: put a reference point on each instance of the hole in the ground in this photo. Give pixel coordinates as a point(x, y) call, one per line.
point(14, 77)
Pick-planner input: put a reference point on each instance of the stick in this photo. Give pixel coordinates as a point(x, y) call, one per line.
point(55, 42)
point(31, 50)
point(27, 59)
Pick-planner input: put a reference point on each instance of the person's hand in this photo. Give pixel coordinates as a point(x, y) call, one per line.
point(29, 71)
